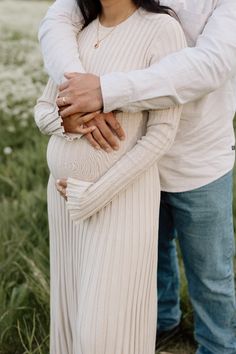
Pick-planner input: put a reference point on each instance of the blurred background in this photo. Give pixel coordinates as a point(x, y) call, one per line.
point(24, 258)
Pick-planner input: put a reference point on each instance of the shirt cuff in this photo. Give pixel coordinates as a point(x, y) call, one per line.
point(116, 92)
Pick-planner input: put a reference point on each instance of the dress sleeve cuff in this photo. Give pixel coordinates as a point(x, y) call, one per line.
point(48, 119)
point(75, 193)
point(50, 122)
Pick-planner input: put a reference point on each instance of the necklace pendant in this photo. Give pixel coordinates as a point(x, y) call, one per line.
point(96, 45)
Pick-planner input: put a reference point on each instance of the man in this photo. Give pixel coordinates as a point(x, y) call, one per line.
point(196, 174)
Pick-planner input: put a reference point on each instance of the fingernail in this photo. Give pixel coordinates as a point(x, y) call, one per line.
point(108, 150)
point(116, 147)
point(97, 147)
point(122, 138)
point(58, 181)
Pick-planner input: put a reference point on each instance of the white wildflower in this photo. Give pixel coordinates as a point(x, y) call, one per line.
point(23, 123)
point(11, 129)
point(22, 77)
point(7, 150)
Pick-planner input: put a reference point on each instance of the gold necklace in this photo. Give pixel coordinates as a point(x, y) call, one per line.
point(99, 40)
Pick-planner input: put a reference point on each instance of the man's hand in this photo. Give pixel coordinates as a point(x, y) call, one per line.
point(108, 132)
point(105, 132)
point(80, 93)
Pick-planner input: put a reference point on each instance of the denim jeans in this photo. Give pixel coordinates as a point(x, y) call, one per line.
point(203, 222)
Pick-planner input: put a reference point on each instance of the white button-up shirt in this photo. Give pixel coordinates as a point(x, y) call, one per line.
point(202, 77)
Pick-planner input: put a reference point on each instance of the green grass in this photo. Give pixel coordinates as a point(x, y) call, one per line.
point(24, 259)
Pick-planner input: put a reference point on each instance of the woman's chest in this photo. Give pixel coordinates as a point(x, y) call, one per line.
point(109, 50)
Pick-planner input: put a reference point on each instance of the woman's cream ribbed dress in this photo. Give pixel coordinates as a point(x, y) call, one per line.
point(103, 240)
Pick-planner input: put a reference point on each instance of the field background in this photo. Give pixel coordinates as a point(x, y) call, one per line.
point(24, 260)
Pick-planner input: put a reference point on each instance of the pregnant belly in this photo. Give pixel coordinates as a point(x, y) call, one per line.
point(77, 159)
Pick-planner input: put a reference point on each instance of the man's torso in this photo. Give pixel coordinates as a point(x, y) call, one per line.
point(204, 147)
point(193, 15)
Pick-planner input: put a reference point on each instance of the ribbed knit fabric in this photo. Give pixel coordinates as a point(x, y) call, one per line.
point(47, 115)
point(103, 240)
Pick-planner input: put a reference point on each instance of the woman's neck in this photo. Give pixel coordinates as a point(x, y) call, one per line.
point(116, 11)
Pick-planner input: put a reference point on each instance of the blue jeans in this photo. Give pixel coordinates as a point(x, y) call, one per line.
point(203, 222)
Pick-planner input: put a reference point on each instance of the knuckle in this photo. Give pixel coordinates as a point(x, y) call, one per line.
point(110, 136)
point(93, 143)
point(92, 123)
point(113, 144)
point(67, 92)
point(90, 116)
point(89, 138)
point(100, 117)
point(117, 126)
point(83, 120)
point(103, 127)
point(97, 119)
point(99, 125)
point(101, 142)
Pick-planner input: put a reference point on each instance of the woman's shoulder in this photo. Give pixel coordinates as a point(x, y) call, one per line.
point(167, 35)
point(159, 21)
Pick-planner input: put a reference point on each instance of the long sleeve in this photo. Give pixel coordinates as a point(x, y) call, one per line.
point(84, 199)
point(58, 38)
point(47, 116)
point(182, 77)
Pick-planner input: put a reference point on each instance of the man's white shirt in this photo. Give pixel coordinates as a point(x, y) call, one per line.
point(202, 77)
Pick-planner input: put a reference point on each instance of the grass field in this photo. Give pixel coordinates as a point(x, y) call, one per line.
point(24, 261)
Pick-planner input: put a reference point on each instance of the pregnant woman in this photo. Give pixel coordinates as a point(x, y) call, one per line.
point(103, 237)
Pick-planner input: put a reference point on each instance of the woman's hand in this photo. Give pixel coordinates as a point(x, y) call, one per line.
point(61, 185)
point(108, 132)
point(76, 123)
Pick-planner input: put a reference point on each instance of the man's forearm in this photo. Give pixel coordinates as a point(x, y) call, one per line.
point(177, 79)
point(182, 77)
point(58, 38)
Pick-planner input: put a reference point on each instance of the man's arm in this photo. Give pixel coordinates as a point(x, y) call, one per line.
point(178, 79)
point(182, 77)
point(58, 38)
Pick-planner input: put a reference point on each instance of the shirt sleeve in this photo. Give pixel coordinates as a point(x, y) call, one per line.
point(58, 38)
point(85, 199)
point(181, 77)
point(46, 114)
